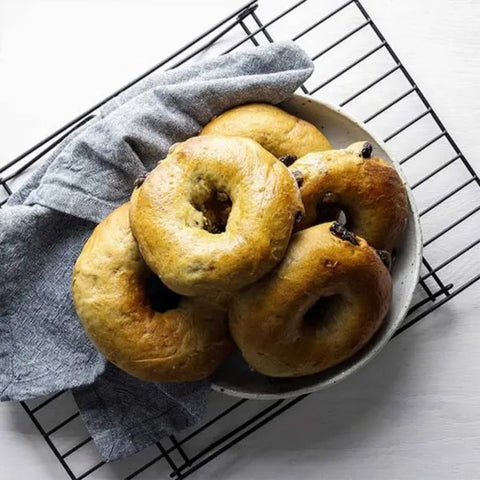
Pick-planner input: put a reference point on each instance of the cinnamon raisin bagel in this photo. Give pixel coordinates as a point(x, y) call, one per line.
point(134, 320)
point(318, 307)
point(367, 189)
point(274, 129)
point(215, 215)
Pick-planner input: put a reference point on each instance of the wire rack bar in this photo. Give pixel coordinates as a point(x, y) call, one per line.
point(233, 432)
point(49, 442)
point(408, 124)
point(427, 290)
point(76, 447)
point(346, 69)
point(435, 291)
point(451, 259)
point(90, 470)
point(189, 437)
point(340, 40)
point(423, 147)
point(264, 30)
point(322, 20)
point(173, 466)
point(223, 32)
point(244, 435)
point(263, 27)
point(180, 449)
point(44, 151)
point(370, 85)
point(248, 32)
point(5, 186)
point(434, 172)
point(447, 196)
point(452, 225)
point(46, 402)
point(62, 424)
point(422, 315)
point(433, 273)
point(389, 105)
point(144, 467)
point(444, 290)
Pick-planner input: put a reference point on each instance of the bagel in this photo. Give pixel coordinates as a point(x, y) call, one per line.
point(134, 320)
point(317, 308)
point(368, 190)
point(274, 129)
point(215, 215)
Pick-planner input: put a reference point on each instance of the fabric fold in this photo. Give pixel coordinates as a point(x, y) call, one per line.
point(122, 422)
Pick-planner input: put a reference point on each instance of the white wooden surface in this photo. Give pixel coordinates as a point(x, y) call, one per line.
point(412, 413)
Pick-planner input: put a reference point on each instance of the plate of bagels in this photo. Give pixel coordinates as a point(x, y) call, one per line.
point(275, 254)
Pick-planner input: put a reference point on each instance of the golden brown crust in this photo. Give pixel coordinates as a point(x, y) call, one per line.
point(267, 318)
point(183, 344)
point(368, 190)
point(171, 228)
point(273, 128)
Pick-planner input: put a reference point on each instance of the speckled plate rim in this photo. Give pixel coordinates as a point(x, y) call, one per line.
point(388, 333)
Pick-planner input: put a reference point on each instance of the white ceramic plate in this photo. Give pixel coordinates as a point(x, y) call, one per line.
point(235, 377)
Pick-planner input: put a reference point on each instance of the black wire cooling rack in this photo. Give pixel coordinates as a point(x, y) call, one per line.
point(346, 45)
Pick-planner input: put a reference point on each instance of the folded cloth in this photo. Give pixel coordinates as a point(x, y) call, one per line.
point(43, 348)
point(125, 415)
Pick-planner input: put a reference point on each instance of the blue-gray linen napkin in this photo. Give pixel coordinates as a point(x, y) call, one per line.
point(43, 348)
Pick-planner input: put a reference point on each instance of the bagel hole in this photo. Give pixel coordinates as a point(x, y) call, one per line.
point(159, 296)
point(215, 206)
point(330, 212)
point(323, 310)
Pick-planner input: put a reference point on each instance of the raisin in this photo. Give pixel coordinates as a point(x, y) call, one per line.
point(288, 159)
point(367, 150)
point(341, 232)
